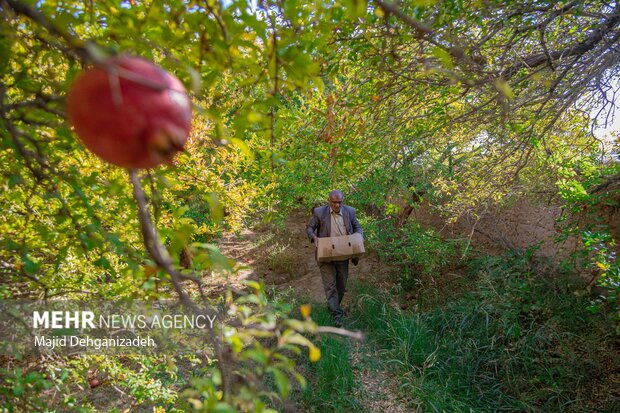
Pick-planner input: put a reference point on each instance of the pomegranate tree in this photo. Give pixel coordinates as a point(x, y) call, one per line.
point(130, 112)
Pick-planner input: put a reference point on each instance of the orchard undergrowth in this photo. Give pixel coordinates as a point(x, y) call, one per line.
point(517, 339)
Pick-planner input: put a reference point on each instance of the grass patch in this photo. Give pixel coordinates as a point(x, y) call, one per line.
point(517, 341)
point(331, 381)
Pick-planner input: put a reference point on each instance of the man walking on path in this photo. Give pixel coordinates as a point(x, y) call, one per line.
point(333, 220)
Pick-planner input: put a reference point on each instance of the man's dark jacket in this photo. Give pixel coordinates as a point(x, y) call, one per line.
point(321, 221)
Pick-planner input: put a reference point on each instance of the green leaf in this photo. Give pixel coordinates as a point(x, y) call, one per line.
point(257, 355)
point(222, 407)
point(18, 390)
point(215, 207)
point(282, 381)
point(15, 180)
point(424, 3)
point(149, 285)
point(195, 78)
point(245, 149)
point(30, 267)
point(179, 212)
point(444, 57)
point(355, 8)
point(103, 263)
point(319, 84)
point(300, 379)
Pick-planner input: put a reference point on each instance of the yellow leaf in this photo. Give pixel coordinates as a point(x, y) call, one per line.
point(252, 284)
point(504, 88)
point(254, 117)
point(296, 324)
point(602, 266)
point(236, 344)
point(299, 340)
point(234, 51)
point(315, 354)
point(305, 310)
point(198, 405)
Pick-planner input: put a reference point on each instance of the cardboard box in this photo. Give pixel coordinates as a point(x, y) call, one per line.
point(340, 248)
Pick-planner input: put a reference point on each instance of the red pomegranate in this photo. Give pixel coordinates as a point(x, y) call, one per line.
point(94, 382)
point(130, 112)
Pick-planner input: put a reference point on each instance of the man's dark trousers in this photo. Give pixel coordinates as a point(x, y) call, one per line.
point(334, 275)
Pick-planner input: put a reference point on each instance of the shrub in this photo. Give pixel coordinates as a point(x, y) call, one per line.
point(419, 254)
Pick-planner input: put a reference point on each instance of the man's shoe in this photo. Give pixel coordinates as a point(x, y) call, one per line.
point(338, 322)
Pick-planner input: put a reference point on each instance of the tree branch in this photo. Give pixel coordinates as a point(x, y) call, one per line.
point(80, 47)
point(577, 50)
point(391, 8)
point(154, 247)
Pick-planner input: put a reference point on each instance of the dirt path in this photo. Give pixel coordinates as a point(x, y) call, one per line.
point(284, 258)
point(378, 390)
